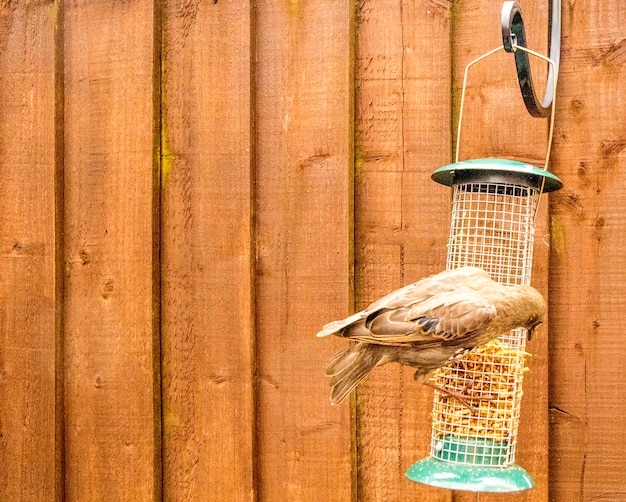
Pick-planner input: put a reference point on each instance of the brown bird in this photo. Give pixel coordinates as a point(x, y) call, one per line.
point(428, 324)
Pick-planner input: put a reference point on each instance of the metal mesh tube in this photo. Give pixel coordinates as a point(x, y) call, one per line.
point(492, 227)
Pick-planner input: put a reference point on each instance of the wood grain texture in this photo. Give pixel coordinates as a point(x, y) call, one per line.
point(588, 277)
point(207, 259)
point(304, 110)
point(296, 142)
point(497, 124)
point(403, 135)
point(112, 447)
point(29, 335)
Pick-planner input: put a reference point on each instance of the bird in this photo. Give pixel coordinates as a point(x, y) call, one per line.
point(428, 324)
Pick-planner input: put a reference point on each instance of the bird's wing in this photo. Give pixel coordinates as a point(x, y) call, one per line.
point(412, 294)
point(450, 316)
point(450, 280)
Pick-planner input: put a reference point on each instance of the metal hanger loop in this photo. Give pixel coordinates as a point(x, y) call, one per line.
point(550, 109)
point(514, 37)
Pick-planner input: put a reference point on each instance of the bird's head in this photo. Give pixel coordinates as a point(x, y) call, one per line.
point(535, 308)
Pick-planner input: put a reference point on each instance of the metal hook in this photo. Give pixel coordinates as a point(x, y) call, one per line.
point(513, 37)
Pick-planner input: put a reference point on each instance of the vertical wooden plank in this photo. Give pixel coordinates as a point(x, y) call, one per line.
point(496, 124)
point(403, 135)
point(207, 260)
point(588, 277)
point(112, 415)
point(304, 237)
point(426, 205)
point(29, 452)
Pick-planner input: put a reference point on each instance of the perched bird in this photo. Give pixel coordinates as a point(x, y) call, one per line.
point(428, 324)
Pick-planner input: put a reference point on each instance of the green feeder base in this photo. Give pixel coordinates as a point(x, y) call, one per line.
point(434, 472)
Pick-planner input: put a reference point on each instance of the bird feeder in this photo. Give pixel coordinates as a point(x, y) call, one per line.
point(494, 203)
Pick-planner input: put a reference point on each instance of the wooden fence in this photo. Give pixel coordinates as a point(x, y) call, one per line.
point(190, 189)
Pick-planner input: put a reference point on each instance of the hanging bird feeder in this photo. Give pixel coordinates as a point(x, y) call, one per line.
point(494, 205)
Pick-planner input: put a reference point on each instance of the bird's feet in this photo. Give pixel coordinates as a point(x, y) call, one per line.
point(460, 396)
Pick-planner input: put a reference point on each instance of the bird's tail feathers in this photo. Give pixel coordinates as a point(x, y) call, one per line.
point(349, 367)
point(343, 360)
point(334, 327)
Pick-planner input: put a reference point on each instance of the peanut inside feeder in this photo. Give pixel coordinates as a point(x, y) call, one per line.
point(491, 376)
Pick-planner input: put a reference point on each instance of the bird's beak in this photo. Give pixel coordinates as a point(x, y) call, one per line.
point(531, 331)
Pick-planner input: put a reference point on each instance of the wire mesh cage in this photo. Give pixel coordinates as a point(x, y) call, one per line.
point(494, 203)
point(492, 227)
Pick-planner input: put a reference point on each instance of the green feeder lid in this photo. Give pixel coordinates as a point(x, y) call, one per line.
point(496, 171)
point(453, 476)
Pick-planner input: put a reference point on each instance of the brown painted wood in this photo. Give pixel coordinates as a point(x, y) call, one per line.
point(112, 436)
point(403, 134)
point(304, 117)
point(30, 452)
point(259, 213)
point(207, 252)
point(588, 281)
